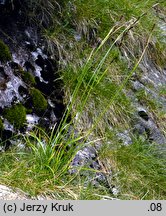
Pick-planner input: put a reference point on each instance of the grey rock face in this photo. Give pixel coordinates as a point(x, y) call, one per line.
point(125, 138)
point(7, 193)
point(151, 80)
point(9, 92)
point(152, 75)
point(144, 124)
point(87, 157)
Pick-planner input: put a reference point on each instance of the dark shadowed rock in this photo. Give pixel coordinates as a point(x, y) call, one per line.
point(150, 129)
point(143, 115)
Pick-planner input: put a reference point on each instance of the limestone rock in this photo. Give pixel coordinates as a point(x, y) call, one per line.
point(7, 193)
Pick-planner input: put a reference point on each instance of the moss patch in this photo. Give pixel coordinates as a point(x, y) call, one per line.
point(28, 78)
point(18, 70)
point(16, 115)
point(1, 125)
point(5, 54)
point(39, 101)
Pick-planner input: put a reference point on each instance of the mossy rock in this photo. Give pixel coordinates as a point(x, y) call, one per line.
point(39, 101)
point(1, 125)
point(16, 115)
point(18, 70)
point(28, 78)
point(5, 54)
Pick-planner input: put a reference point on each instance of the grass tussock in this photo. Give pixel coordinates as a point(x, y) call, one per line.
point(140, 171)
point(42, 167)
